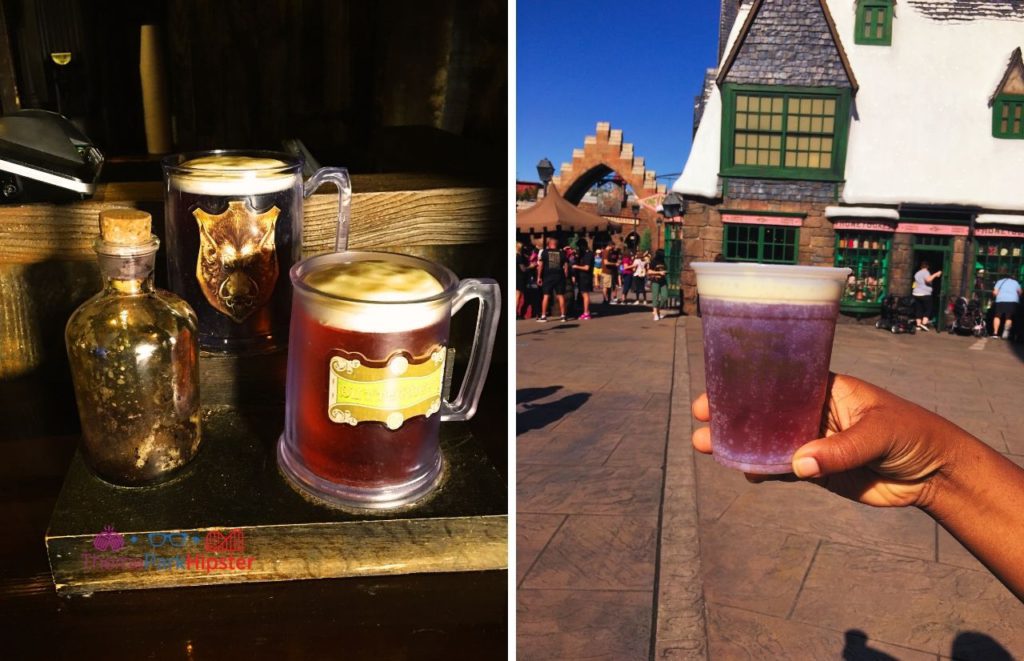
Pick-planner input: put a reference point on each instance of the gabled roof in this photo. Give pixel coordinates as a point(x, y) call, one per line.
point(922, 128)
point(745, 30)
point(1016, 66)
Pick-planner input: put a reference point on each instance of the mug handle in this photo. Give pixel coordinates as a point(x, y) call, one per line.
point(339, 177)
point(489, 294)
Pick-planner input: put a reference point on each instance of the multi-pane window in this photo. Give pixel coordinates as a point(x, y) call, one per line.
point(994, 258)
point(810, 126)
point(874, 23)
point(787, 134)
point(1008, 116)
point(758, 130)
point(866, 254)
point(766, 244)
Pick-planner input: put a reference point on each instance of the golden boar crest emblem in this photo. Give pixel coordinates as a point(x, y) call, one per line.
point(237, 264)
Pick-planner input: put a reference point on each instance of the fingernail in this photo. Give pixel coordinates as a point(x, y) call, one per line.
point(806, 467)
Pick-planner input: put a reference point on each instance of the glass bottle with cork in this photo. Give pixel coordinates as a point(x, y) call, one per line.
point(133, 354)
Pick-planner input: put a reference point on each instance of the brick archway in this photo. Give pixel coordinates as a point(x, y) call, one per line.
point(602, 153)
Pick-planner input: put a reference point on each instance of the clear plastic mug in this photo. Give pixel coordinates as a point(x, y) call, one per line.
point(768, 332)
point(366, 363)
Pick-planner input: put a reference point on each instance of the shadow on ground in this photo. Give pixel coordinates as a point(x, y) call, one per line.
point(524, 395)
point(975, 646)
point(602, 310)
point(539, 416)
point(856, 648)
point(968, 646)
point(1018, 349)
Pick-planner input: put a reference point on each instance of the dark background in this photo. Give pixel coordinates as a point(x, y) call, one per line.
point(384, 86)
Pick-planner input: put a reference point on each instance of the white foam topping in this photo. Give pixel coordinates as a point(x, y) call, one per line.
point(375, 291)
point(225, 174)
point(770, 283)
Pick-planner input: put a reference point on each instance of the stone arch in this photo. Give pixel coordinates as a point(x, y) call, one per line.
point(602, 153)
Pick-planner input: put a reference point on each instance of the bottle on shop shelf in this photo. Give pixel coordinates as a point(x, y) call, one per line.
point(133, 354)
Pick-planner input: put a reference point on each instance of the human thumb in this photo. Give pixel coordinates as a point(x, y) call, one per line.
point(843, 451)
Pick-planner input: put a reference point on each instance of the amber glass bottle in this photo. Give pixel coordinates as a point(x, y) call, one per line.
point(133, 352)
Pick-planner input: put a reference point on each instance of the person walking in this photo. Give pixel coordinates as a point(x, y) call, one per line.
point(923, 294)
point(552, 272)
point(1007, 292)
point(584, 272)
point(640, 278)
point(657, 273)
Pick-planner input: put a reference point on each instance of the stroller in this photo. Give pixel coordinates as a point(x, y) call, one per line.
point(967, 318)
point(897, 315)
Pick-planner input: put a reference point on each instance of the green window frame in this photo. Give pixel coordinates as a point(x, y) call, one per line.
point(782, 132)
point(1008, 117)
point(992, 256)
point(866, 254)
point(764, 244)
point(874, 23)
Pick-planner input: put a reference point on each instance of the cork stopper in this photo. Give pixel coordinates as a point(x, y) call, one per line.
point(125, 227)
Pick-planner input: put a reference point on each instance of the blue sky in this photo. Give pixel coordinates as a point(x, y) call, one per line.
point(636, 65)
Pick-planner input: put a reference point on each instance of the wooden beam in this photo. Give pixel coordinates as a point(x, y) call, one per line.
point(48, 265)
point(34, 233)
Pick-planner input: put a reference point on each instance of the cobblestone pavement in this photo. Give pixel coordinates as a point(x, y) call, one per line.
point(612, 562)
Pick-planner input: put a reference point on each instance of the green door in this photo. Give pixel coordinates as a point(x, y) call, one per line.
point(937, 251)
point(674, 259)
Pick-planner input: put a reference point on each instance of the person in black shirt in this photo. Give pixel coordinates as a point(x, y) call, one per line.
point(522, 276)
point(657, 273)
point(632, 241)
point(552, 272)
point(584, 271)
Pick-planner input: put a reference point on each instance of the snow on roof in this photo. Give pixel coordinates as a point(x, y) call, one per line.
point(1000, 218)
point(700, 175)
point(861, 212)
point(922, 132)
point(922, 126)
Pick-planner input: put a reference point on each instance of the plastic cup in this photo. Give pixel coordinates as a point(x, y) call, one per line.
point(768, 333)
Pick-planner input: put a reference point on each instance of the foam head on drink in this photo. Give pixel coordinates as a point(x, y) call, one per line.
point(241, 304)
point(372, 310)
point(768, 334)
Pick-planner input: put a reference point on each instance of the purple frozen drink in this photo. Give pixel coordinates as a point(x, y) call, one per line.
point(768, 333)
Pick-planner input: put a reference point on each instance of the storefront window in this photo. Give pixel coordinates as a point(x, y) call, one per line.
point(995, 256)
point(867, 255)
point(766, 244)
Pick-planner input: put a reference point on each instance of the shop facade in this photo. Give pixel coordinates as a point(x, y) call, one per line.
point(818, 143)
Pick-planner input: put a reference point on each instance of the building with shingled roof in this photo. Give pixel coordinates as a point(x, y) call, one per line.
point(870, 134)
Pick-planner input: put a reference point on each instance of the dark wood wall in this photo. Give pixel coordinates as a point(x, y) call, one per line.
point(381, 86)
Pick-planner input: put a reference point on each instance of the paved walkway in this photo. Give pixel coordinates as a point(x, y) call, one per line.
point(612, 562)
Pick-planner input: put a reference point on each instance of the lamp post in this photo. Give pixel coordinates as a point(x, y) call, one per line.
point(636, 214)
point(674, 205)
point(545, 170)
point(659, 221)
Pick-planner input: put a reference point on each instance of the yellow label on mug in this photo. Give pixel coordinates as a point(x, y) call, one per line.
point(390, 394)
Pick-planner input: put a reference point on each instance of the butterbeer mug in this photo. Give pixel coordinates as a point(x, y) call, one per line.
point(234, 227)
point(366, 364)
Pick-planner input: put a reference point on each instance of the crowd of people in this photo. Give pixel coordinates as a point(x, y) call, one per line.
point(567, 276)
